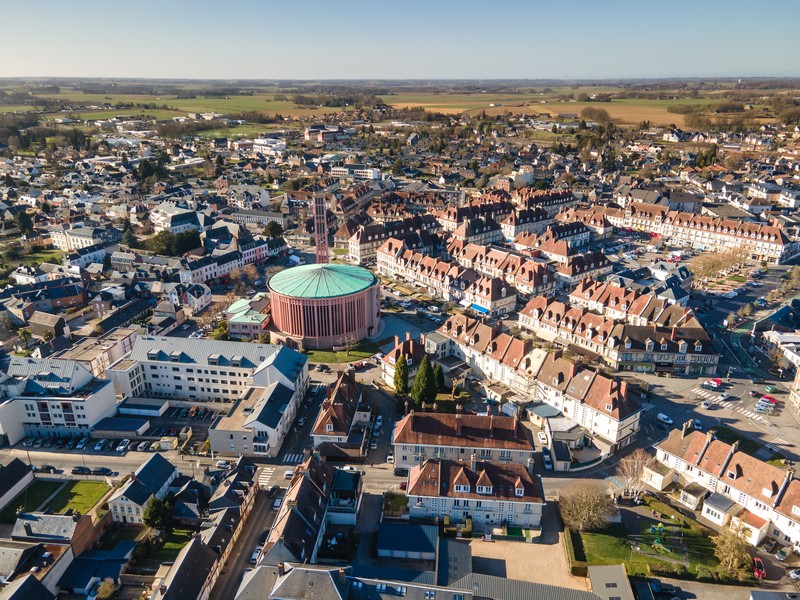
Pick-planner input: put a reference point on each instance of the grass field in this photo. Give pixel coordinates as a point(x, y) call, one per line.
point(176, 540)
point(79, 496)
point(36, 258)
point(30, 499)
point(364, 349)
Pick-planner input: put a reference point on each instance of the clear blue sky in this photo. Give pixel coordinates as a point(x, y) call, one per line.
point(316, 39)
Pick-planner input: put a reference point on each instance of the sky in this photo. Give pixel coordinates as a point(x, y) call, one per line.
point(402, 39)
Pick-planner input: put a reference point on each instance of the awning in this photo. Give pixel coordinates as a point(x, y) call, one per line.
point(479, 309)
point(464, 303)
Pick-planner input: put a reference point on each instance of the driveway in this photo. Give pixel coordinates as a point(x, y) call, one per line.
point(543, 562)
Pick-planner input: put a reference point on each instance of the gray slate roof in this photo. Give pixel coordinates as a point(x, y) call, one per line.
point(193, 351)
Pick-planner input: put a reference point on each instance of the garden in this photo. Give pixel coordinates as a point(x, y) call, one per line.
point(80, 496)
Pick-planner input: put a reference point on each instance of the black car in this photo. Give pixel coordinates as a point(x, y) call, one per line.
point(755, 394)
point(81, 471)
point(273, 491)
point(400, 472)
point(45, 469)
point(263, 539)
point(102, 471)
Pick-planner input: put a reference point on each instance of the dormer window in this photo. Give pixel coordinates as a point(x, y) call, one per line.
point(663, 346)
point(519, 492)
point(484, 489)
point(650, 346)
point(609, 407)
point(329, 427)
point(461, 488)
point(766, 492)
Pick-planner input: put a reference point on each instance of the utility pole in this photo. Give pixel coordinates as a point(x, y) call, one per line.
point(730, 369)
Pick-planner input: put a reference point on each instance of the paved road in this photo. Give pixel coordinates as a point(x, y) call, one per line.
point(260, 519)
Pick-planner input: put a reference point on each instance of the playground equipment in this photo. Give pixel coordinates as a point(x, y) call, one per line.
point(659, 529)
point(659, 546)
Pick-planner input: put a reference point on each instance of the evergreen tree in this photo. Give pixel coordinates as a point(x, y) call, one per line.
point(24, 222)
point(401, 376)
point(438, 376)
point(424, 388)
point(273, 229)
point(128, 236)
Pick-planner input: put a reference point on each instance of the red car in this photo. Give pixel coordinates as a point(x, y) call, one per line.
point(767, 398)
point(758, 568)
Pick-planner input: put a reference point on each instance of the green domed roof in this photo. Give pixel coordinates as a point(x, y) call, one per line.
point(321, 281)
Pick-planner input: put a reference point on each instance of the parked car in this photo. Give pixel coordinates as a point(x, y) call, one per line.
point(301, 422)
point(768, 399)
point(400, 472)
point(373, 445)
point(288, 474)
point(81, 470)
point(143, 447)
point(758, 568)
point(542, 438)
point(379, 420)
point(277, 503)
point(390, 458)
point(660, 588)
point(755, 394)
point(123, 445)
point(783, 554)
point(45, 469)
point(223, 464)
point(769, 545)
point(254, 556)
point(723, 396)
point(102, 471)
point(771, 389)
point(100, 445)
point(548, 462)
point(794, 574)
point(664, 419)
point(698, 425)
point(707, 404)
point(273, 491)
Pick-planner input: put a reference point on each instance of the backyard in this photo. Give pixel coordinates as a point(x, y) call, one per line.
point(80, 496)
point(176, 540)
point(30, 499)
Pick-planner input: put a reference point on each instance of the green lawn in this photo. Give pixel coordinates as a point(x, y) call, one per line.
point(79, 496)
point(364, 349)
point(36, 258)
point(176, 540)
point(30, 499)
point(729, 436)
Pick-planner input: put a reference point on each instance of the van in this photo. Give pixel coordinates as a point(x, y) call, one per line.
point(277, 503)
point(288, 474)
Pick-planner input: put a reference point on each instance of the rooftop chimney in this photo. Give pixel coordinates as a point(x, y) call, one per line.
point(491, 426)
point(408, 335)
point(473, 462)
point(281, 569)
point(342, 575)
point(458, 424)
point(687, 428)
point(28, 529)
point(396, 341)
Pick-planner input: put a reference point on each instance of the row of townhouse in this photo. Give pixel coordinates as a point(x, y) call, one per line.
point(681, 348)
point(598, 403)
point(763, 242)
point(525, 220)
point(493, 206)
point(216, 266)
point(631, 305)
point(74, 238)
point(365, 241)
point(553, 201)
point(450, 281)
point(728, 486)
point(528, 276)
point(592, 218)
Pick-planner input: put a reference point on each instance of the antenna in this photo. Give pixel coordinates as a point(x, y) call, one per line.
point(320, 229)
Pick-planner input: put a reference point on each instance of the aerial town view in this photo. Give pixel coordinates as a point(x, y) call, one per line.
point(437, 301)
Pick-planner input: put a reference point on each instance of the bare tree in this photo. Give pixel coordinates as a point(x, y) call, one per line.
point(631, 470)
point(349, 343)
point(585, 505)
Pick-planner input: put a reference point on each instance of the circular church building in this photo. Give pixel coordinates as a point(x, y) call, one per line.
point(325, 305)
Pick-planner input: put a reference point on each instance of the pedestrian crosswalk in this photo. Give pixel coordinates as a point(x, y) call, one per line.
point(292, 459)
point(264, 475)
point(713, 397)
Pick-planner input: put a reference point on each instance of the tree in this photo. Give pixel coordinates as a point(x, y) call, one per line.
point(24, 336)
point(128, 235)
point(730, 548)
point(776, 357)
point(106, 589)
point(47, 335)
point(401, 376)
point(424, 388)
point(585, 506)
point(631, 471)
point(273, 229)
point(24, 222)
point(438, 376)
point(157, 513)
point(397, 167)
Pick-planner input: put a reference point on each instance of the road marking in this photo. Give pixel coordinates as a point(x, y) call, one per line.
point(292, 459)
point(264, 476)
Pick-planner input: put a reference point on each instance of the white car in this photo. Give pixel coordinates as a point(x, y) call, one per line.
point(390, 458)
point(542, 438)
point(707, 404)
point(723, 396)
point(661, 417)
point(123, 445)
point(223, 464)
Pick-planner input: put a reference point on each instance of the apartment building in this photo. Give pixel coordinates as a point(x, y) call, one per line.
point(51, 398)
point(490, 493)
point(478, 230)
point(367, 238)
point(72, 238)
point(97, 354)
point(593, 219)
point(553, 201)
point(190, 369)
point(220, 265)
point(729, 486)
point(456, 437)
point(259, 421)
point(525, 220)
point(673, 347)
point(248, 318)
point(411, 349)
